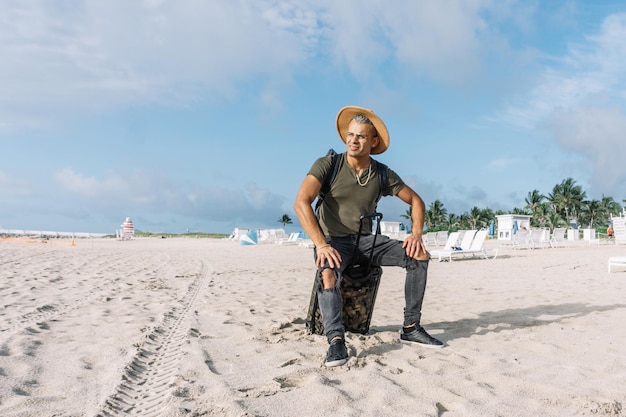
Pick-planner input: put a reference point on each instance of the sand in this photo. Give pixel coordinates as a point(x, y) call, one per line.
point(204, 327)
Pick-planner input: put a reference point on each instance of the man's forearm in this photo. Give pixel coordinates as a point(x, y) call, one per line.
point(309, 223)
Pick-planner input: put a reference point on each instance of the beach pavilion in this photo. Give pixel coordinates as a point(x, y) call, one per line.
point(509, 224)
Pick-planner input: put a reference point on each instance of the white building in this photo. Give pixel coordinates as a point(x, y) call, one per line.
point(392, 229)
point(509, 224)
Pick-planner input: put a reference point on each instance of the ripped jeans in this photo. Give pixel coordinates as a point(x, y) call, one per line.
point(387, 252)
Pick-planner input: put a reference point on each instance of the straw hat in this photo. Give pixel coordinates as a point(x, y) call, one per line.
point(346, 114)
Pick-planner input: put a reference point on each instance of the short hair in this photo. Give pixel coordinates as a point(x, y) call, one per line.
point(362, 120)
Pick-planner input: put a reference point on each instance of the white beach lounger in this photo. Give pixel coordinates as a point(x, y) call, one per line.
point(558, 237)
point(617, 261)
point(477, 248)
point(451, 242)
point(466, 243)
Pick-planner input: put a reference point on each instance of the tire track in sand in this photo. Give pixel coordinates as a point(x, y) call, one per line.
point(146, 385)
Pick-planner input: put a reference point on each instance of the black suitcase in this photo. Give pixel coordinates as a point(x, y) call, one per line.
point(358, 289)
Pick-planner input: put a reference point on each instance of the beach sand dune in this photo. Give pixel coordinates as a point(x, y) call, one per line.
point(203, 327)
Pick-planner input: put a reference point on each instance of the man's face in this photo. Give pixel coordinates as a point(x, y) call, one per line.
point(360, 139)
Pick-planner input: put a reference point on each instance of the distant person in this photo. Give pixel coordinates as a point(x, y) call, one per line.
point(609, 231)
point(353, 194)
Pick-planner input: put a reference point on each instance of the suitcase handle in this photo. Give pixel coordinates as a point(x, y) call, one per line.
point(372, 216)
point(369, 216)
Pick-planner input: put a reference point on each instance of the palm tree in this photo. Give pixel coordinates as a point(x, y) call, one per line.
point(409, 217)
point(567, 198)
point(590, 211)
point(285, 220)
point(453, 221)
point(429, 222)
point(555, 220)
point(609, 207)
point(478, 218)
point(517, 210)
point(534, 201)
point(436, 213)
point(465, 221)
point(542, 213)
point(566, 202)
point(487, 217)
point(474, 217)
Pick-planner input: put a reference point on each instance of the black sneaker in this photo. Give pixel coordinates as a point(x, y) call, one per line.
point(417, 335)
point(337, 353)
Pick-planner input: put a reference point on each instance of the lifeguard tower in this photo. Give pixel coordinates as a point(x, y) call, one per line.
point(128, 230)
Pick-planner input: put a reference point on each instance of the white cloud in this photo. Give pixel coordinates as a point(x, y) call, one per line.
point(580, 101)
point(156, 194)
point(101, 55)
point(592, 72)
point(440, 40)
point(599, 135)
point(86, 186)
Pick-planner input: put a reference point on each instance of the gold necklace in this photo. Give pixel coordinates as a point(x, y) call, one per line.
point(369, 174)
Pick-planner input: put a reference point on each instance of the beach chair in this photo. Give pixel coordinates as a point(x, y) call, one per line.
point(467, 239)
point(271, 235)
point(477, 248)
point(430, 239)
point(291, 240)
point(442, 237)
point(558, 237)
point(521, 239)
point(617, 261)
point(306, 243)
point(619, 229)
point(237, 233)
point(466, 243)
point(538, 239)
point(450, 243)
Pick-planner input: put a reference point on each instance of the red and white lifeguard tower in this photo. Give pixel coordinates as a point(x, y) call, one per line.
point(128, 230)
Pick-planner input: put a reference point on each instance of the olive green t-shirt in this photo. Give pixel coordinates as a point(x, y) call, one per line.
point(347, 200)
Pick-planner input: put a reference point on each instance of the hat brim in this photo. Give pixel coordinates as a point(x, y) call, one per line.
point(346, 114)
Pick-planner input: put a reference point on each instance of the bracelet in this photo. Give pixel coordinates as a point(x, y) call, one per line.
point(323, 246)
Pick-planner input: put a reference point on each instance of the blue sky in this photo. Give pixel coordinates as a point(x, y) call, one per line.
point(206, 115)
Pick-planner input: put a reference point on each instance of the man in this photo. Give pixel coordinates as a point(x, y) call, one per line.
point(354, 193)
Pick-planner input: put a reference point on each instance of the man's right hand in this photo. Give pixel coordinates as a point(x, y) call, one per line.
point(326, 253)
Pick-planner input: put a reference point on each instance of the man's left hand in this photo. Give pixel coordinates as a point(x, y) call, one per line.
point(415, 248)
